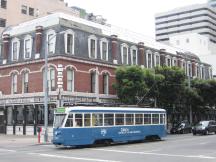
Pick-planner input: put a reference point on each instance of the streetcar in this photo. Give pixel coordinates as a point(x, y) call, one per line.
point(84, 125)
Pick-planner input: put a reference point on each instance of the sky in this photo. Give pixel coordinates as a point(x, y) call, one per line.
point(135, 15)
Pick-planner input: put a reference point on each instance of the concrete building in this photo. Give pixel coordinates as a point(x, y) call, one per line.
point(83, 57)
point(198, 18)
point(13, 12)
point(198, 44)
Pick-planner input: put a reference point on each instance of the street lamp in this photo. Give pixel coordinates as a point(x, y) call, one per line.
point(46, 89)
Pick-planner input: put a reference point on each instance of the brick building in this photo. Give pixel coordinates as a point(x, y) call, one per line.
point(82, 58)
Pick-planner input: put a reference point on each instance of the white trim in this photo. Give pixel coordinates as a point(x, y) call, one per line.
point(71, 67)
point(49, 66)
point(27, 37)
point(15, 40)
point(51, 41)
point(67, 32)
point(25, 70)
point(122, 47)
point(131, 51)
point(149, 52)
point(155, 60)
point(92, 37)
point(104, 40)
point(105, 71)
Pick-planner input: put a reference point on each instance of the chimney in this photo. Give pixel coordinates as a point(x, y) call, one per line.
point(6, 46)
point(114, 48)
point(141, 54)
point(38, 41)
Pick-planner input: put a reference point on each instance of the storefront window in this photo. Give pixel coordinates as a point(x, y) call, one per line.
point(40, 115)
point(19, 116)
point(30, 115)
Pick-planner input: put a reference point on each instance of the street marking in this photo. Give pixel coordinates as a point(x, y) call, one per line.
point(158, 154)
point(76, 158)
point(6, 150)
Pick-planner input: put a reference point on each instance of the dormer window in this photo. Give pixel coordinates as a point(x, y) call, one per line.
point(15, 49)
point(149, 59)
point(51, 41)
point(168, 61)
point(124, 53)
point(157, 59)
point(104, 49)
point(69, 42)
point(92, 46)
point(133, 55)
point(27, 47)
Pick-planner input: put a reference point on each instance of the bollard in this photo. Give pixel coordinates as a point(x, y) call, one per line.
point(39, 130)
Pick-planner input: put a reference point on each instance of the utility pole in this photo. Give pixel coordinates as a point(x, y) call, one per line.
point(190, 108)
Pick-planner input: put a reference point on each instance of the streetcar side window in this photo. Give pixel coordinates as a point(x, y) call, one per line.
point(119, 119)
point(78, 120)
point(147, 118)
point(162, 118)
point(138, 119)
point(69, 122)
point(155, 118)
point(97, 119)
point(87, 120)
point(129, 119)
point(108, 119)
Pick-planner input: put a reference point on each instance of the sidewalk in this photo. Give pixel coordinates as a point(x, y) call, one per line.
point(22, 139)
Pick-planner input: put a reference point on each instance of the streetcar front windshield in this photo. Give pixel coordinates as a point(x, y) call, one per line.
point(59, 119)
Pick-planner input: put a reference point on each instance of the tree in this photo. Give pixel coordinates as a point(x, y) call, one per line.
point(170, 90)
point(130, 84)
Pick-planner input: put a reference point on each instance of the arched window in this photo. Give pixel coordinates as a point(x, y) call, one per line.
point(133, 52)
point(50, 79)
point(168, 61)
point(69, 42)
point(104, 49)
point(15, 49)
point(25, 82)
point(92, 46)
point(124, 53)
point(70, 80)
point(27, 47)
point(51, 40)
point(105, 83)
point(149, 59)
point(14, 83)
point(93, 82)
point(156, 59)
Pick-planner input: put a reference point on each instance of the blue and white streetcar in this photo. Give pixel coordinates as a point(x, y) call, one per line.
point(79, 125)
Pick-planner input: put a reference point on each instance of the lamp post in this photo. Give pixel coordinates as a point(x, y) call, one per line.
point(46, 88)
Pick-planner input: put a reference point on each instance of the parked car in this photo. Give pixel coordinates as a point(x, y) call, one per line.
point(182, 127)
point(204, 127)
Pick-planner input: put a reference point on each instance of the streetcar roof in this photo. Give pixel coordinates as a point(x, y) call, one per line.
point(110, 109)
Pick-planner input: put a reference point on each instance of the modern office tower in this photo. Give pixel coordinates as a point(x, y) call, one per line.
point(198, 18)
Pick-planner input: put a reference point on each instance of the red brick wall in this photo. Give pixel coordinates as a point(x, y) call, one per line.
point(82, 77)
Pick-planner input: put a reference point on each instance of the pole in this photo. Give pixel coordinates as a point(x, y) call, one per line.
point(190, 108)
point(46, 94)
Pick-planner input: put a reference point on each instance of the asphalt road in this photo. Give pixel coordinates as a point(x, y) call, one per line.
point(174, 148)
